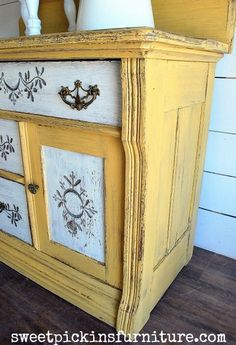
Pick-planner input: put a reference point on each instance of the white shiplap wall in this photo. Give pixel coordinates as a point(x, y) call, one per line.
point(216, 228)
point(9, 18)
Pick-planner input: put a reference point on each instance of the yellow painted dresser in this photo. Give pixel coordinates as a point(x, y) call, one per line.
point(102, 143)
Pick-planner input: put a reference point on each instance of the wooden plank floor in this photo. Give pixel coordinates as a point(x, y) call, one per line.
point(202, 299)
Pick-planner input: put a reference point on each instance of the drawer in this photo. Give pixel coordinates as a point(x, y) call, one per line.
point(10, 148)
point(14, 218)
point(33, 87)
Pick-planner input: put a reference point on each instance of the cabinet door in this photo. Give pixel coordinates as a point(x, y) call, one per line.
point(10, 148)
point(14, 219)
point(79, 204)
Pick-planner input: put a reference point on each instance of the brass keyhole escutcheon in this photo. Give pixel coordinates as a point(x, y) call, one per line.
point(33, 188)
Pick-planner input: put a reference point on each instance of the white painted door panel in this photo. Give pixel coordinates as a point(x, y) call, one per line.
point(219, 193)
point(221, 153)
point(32, 87)
point(10, 147)
point(223, 117)
point(75, 201)
point(14, 218)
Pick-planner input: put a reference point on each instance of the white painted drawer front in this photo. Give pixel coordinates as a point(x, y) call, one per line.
point(14, 218)
point(10, 148)
point(32, 87)
point(75, 188)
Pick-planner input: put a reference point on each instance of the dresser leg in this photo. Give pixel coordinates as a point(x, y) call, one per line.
point(189, 255)
point(132, 321)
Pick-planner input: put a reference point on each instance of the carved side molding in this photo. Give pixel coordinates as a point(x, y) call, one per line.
point(24, 85)
point(133, 311)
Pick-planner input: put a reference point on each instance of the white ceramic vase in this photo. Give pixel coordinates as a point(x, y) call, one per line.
point(108, 14)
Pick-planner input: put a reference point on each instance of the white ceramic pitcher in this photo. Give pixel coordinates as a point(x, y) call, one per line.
point(107, 14)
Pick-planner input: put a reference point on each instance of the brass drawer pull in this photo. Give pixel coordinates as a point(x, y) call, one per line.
point(76, 101)
point(33, 188)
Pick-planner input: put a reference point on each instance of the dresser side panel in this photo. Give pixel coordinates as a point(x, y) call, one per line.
point(175, 140)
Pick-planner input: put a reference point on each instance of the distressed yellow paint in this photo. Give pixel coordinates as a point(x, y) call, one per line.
point(79, 140)
point(155, 164)
point(97, 298)
point(12, 176)
point(212, 19)
point(186, 140)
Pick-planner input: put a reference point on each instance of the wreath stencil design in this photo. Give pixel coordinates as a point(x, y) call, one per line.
point(12, 213)
point(6, 147)
point(83, 219)
point(25, 84)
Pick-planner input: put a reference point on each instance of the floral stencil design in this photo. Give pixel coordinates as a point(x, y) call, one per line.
point(25, 84)
point(83, 219)
point(6, 147)
point(12, 213)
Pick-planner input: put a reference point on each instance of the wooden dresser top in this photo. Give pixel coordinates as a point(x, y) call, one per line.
point(123, 43)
